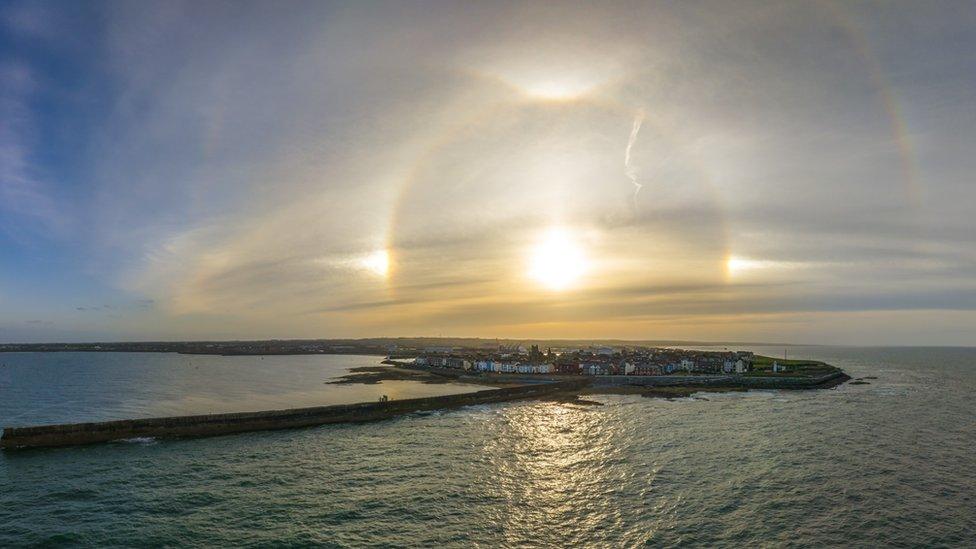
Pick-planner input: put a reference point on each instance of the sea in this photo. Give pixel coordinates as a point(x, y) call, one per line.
point(889, 462)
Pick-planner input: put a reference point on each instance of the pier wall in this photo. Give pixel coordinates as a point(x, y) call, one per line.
point(729, 380)
point(752, 382)
point(222, 424)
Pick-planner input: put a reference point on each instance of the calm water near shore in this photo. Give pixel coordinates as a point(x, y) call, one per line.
point(887, 463)
point(42, 388)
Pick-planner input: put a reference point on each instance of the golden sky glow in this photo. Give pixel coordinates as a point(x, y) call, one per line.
point(650, 170)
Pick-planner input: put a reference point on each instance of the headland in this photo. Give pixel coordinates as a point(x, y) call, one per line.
point(563, 374)
point(648, 370)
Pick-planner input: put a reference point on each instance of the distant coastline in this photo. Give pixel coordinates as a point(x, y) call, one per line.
point(364, 346)
point(403, 352)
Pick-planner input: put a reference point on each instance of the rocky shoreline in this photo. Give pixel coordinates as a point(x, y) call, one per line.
point(372, 375)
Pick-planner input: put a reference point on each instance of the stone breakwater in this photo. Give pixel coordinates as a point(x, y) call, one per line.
point(222, 424)
point(790, 383)
point(749, 382)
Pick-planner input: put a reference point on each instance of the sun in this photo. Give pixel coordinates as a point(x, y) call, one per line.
point(557, 261)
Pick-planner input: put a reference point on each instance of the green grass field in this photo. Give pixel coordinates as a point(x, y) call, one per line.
point(763, 366)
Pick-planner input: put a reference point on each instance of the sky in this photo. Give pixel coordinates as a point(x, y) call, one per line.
point(738, 171)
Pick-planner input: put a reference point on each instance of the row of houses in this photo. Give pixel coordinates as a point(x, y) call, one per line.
point(508, 367)
point(484, 365)
point(641, 362)
point(642, 368)
point(650, 362)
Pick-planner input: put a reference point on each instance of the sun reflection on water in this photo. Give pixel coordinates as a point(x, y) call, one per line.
point(556, 468)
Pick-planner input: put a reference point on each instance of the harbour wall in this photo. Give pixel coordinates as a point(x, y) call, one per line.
point(222, 424)
point(751, 382)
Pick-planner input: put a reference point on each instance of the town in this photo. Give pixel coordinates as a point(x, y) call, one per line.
point(601, 361)
point(477, 356)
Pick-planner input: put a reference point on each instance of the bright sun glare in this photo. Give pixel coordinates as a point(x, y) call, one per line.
point(557, 90)
point(559, 82)
point(736, 265)
point(557, 261)
point(377, 262)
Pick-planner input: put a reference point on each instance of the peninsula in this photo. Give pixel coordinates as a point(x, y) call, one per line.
point(654, 371)
point(562, 374)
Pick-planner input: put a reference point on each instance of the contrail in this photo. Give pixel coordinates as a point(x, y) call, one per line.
point(629, 169)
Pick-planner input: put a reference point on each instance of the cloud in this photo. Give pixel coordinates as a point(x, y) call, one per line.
point(24, 194)
point(247, 156)
point(30, 19)
point(136, 305)
point(39, 322)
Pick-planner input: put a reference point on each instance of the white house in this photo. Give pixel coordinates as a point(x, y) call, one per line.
point(593, 369)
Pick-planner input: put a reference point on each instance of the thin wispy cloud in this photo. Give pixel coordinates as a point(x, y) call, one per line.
point(25, 202)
